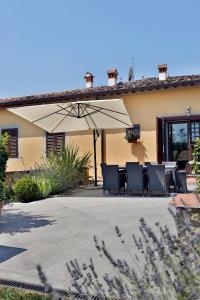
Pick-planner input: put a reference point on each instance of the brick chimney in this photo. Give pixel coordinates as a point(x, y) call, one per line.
point(112, 77)
point(89, 78)
point(162, 72)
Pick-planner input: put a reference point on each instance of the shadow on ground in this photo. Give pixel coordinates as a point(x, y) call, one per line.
point(13, 221)
point(89, 191)
point(7, 252)
point(93, 191)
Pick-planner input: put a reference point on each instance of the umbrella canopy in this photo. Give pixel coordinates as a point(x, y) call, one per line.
point(77, 116)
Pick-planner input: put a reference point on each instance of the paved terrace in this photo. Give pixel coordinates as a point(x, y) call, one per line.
point(55, 230)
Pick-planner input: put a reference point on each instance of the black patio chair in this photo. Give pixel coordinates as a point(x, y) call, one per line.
point(171, 167)
point(102, 171)
point(133, 162)
point(135, 178)
point(147, 163)
point(169, 163)
point(158, 180)
point(113, 180)
point(181, 181)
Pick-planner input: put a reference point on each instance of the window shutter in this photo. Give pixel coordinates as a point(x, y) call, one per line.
point(54, 142)
point(12, 141)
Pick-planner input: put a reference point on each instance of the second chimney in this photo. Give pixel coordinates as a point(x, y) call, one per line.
point(89, 78)
point(162, 72)
point(112, 77)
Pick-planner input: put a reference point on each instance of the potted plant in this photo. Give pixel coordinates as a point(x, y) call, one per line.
point(133, 133)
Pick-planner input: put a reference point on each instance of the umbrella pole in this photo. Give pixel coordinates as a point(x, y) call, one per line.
point(95, 157)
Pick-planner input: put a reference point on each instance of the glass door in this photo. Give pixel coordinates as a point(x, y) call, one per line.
point(178, 143)
point(194, 131)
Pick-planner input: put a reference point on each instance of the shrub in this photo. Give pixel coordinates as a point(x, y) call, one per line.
point(26, 190)
point(3, 156)
point(6, 192)
point(56, 179)
point(44, 185)
point(59, 172)
point(196, 162)
point(2, 191)
point(3, 163)
point(67, 169)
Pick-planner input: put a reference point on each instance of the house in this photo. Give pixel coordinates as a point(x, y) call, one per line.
point(165, 108)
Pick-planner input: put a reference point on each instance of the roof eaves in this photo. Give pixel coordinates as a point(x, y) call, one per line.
point(147, 84)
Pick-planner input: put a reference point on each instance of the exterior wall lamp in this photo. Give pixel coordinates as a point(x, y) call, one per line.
point(188, 111)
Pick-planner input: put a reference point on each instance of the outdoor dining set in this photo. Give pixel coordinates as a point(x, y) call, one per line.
point(148, 179)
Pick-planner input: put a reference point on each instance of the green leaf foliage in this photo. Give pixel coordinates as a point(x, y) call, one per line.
point(67, 169)
point(26, 190)
point(7, 293)
point(60, 172)
point(196, 162)
point(44, 185)
point(3, 156)
point(3, 164)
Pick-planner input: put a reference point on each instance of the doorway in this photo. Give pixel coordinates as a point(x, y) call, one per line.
point(176, 137)
point(178, 143)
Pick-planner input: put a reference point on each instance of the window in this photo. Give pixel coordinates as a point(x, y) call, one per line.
point(54, 142)
point(195, 131)
point(12, 141)
point(180, 137)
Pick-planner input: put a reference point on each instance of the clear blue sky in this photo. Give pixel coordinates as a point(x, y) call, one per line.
point(48, 45)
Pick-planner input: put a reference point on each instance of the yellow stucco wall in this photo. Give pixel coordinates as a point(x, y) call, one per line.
point(85, 143)
point(143, 108)
point(31, 141)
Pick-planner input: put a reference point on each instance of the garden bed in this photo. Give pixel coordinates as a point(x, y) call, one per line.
point(59, 172)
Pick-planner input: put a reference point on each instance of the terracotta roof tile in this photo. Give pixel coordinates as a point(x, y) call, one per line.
point(144, 84)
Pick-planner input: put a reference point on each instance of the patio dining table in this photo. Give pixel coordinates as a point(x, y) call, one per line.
point(168, 169)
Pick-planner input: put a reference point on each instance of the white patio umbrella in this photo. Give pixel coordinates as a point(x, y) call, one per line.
point(77, 116)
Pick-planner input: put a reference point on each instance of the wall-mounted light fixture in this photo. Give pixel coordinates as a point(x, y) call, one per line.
point(188, 111)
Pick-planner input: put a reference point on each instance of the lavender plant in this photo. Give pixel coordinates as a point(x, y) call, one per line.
point(48, 288)
point(165, 266)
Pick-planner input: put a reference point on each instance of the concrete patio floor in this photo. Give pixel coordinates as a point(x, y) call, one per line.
point(55, 230)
